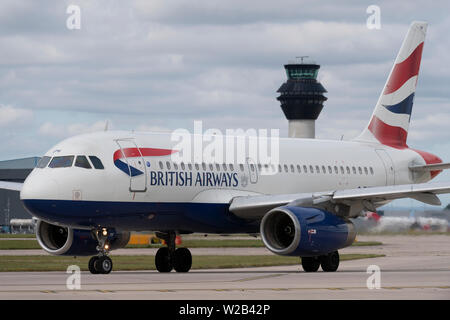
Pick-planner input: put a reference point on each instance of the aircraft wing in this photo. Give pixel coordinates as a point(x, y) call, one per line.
point(15, 186)
point(255, 207)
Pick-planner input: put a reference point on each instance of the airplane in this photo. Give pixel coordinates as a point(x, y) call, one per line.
point(90, 191)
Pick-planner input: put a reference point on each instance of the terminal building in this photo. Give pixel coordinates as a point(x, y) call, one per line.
point(13, 215)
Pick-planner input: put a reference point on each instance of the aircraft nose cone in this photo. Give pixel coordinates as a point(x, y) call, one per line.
point(40, 188)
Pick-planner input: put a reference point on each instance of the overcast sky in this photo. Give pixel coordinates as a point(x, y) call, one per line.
point(160, 65)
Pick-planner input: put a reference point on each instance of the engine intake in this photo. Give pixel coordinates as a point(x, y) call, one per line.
point(300, 231)
point(66, 241)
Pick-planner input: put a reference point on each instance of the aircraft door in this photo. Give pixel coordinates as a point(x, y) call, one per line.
point(132, 155)
point(252, 170)
point(388, 165)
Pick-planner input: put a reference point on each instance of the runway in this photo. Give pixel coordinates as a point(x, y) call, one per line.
point(415, 267)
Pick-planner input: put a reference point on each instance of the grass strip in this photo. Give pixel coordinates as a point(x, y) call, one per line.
point(58, 263)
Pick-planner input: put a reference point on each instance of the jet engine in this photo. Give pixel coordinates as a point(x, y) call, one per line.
point(66, 241)
point(301, 231)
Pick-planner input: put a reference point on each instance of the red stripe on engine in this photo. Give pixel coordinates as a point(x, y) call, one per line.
point(146, 152)
point(403, 71)
point(388, 135)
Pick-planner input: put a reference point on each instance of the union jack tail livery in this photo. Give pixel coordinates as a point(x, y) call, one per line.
point(389, 123)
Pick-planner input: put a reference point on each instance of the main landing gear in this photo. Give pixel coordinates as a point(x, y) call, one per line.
point(329, 262)
point(168, 258)
point(101, 263)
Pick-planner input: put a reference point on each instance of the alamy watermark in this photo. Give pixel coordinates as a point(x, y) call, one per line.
point(259, 147)
point(73, 22)
point(73, 281)
point(374, 19)
point(374, 280)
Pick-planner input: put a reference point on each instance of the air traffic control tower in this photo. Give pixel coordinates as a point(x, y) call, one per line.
point(302, 98)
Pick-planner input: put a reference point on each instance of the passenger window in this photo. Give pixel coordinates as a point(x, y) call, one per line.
point(285, 168)
point(342, 170)
point(292, 168)
point(279, 168)
point(359, 170)
point(204, 166)
point(217, 167)
point(259, 167)
point(182, 166)
point(354, 170)
point(299, 169)
point(197, 166)
point(252, 167)
point(161, 165)
point(241, 166)
point(330, 171)
point(348, 170)
point(61, 162)
point(43, 162)
point(96, 162)
point(371, 170)
point(366, 171)
point(311, 169)
point(190, 166)
point(224, 166)
point(211, 167)
point(317, 169)
point(82, 162)
point(231, 167)
point(324, 170)
point(336, 170)
point(305, 169)
point(168, 165)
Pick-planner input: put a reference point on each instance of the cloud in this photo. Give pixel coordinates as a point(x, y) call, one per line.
point(60, 131)
point(10, 116)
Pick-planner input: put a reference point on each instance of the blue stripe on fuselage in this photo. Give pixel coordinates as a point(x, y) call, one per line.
point(124, 167)
point(403, 107)
point(152, 216)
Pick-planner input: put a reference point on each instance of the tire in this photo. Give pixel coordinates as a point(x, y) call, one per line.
point(182, 260)
point(330, 262)
point(310, 264)
point(91, 265)
point(103, 265)
point(163, 261)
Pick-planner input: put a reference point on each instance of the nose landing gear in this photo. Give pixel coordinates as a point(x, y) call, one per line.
point(168, 258)
point(101, 263)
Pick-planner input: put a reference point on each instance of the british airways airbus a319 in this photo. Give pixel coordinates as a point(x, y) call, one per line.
point(90, 191)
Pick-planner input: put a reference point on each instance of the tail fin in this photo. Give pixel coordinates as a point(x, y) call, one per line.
point(389, 123)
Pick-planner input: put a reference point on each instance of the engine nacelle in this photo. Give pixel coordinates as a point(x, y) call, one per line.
point(301, 231)
point(65, 241)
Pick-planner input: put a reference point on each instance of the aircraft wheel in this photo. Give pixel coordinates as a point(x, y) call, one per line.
point(182, 260)
point(310, 264)
point(330, 262)
point(103, 265)
point(91, 265)
point(163, 260)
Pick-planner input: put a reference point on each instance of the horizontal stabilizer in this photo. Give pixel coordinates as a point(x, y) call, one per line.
point(430, 167)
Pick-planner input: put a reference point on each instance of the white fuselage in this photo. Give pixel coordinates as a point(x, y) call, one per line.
point(307, 165)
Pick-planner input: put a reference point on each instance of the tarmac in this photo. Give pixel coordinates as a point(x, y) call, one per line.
point(415, 267)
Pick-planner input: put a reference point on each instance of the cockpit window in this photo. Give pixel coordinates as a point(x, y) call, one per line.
point(43, 162)
point(96, 162)
point(61, 162)
point(82, 162)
